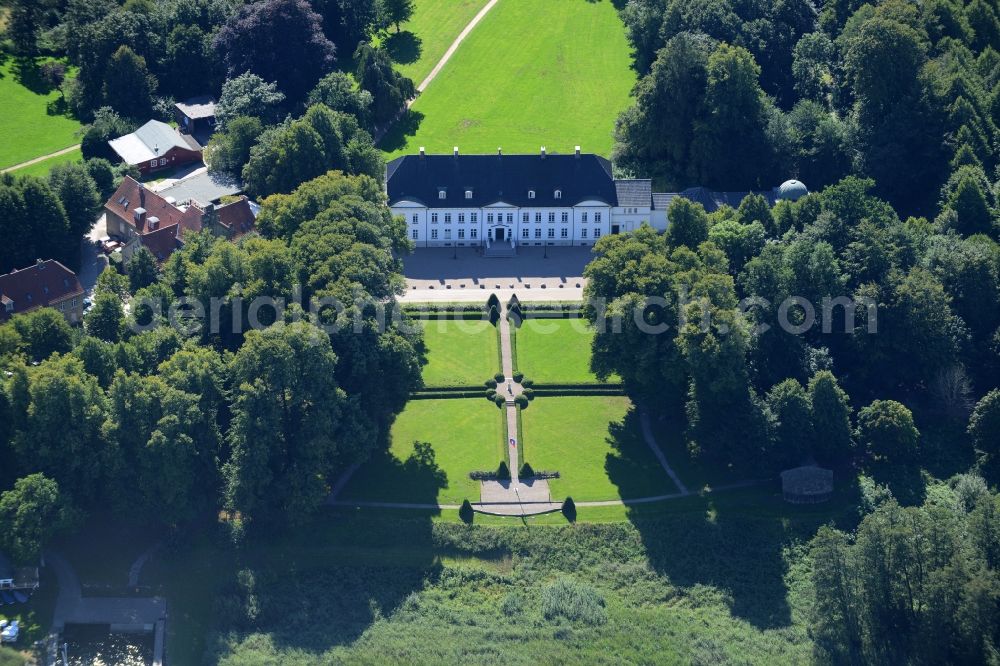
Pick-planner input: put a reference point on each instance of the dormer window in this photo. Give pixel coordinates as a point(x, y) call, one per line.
point(558, 194)
point(468, 194)
point(531, 194)
point(442, 194)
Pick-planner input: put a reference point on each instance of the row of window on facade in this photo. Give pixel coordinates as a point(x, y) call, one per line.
point(525, 234)
point(443, 194)
point(525, 217)
point(152, 163)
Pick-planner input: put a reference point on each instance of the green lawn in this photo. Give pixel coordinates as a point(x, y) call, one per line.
point(531, 74)
point(459, 352)
point(595, 444)
point(465, 435)
point(556, 351)
point(28, 128)
point(42, 168)
point(425, 37)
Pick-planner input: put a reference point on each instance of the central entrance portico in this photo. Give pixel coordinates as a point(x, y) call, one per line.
point(499, 234)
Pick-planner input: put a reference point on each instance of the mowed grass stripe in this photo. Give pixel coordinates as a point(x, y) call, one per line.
point(424, 39)
point(464, 435)
point(554, 73)
point(459, 352)
point(27, 130)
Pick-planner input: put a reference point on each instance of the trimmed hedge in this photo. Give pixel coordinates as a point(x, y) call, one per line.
point(490, 383)
point(449, 395)
point(527, 383)
point(503, 472)
point(518, 376)
point(498, 377)
point(578, 391)
point(499, 400)
point(529, 393)
point(521, 401)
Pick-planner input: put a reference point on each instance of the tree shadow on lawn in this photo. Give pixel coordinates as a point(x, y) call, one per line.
point(325, 583)
point(632, 467)
point(404, 47)
point(707, 540)
point(28, 73)
point(397, 135)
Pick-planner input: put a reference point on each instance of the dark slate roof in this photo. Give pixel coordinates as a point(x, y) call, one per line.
point(494, 178)
point(661, 200)
point(712, 201)
point(636, 192)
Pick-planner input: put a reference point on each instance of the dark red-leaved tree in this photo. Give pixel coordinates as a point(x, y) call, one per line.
point(280, 41)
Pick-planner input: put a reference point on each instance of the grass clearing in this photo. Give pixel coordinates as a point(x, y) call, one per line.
point(556, 351)
point(41, 169)
point(595, 444)
point(464, 435)
point(460, 352)
point(554, 74)
point(32, 125)
point(424, 39)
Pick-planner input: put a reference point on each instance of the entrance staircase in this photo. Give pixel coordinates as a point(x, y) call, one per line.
point(498, 249)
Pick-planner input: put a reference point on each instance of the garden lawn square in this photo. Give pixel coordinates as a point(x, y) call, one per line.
point(454, 437)
point(596, 445)
point(460, 352)
point(556, 351)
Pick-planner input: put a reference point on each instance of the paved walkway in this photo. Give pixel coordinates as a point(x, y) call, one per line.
point(40, 159)
point(647, 434)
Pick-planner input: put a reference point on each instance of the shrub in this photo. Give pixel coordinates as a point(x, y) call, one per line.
point(527, 383)
point(499, 400)
point(491, 383)
point(513, 302)
point(494, 316)
point(466, 513)
point(574, 601)
point(518, 376)
point(529, 393)
point(526, 471)
point(491, 395)
point(498, 377)
point(521, 401)
point(503, 472)
point(490, 475)
point(493, 302)
point(569, 509)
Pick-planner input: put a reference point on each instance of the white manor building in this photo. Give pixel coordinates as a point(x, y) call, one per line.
point(502, 201)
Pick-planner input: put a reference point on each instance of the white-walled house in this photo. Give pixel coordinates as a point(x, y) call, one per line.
point(502, 201)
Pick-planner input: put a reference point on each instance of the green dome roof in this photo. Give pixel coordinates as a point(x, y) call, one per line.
point(793, 190)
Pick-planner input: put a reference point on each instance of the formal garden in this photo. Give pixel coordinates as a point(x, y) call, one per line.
point(579, 434)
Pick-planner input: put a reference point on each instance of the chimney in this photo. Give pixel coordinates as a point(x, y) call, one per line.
point(142, 194)
point(154, 223)
point(578, 151)
point(39, 263)
point(455, 151)
point(139, 215)
point(543, 152)
point(422, 151)
point(499, 151)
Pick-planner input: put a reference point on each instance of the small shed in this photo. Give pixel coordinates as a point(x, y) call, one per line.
point(196, 116)
point(809, 484)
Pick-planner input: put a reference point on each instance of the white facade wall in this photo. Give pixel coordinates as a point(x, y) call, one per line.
point(581, 224)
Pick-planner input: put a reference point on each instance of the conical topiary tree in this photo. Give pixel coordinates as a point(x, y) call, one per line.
point(569, 509)
point(514, 302)
point(494, 315)
point(503, 472)
point(526, 471)
point(493, 302)
point(465, 512)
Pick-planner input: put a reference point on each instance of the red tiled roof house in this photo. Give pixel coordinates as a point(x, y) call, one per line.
point(45, 284)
